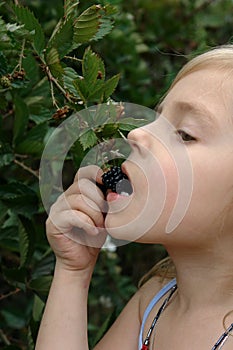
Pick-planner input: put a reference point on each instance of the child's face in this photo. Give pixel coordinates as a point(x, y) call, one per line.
point(185, 155)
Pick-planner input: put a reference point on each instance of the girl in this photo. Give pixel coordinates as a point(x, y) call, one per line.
point(195, 310)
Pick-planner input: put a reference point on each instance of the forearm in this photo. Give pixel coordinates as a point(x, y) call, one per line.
point(64, 323)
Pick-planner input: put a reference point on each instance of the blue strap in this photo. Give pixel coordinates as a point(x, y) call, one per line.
point(152, 303)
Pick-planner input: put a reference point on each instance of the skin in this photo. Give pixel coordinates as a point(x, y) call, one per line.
point(200, 246)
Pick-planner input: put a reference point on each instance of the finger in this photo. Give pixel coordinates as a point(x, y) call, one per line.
point(88, 189)
point(83, 204)
point(92, 172)
point(67, 220)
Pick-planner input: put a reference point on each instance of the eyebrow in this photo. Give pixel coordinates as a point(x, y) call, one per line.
point(201, 112)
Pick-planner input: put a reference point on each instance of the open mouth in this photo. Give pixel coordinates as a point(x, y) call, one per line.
point(117, 181)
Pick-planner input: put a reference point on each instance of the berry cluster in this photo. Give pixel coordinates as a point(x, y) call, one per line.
point(117, 181)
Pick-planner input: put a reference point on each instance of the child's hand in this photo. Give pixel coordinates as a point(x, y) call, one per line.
point(78, 212)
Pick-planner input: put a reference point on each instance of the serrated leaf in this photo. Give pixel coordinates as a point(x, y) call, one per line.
point(69, 76)
point(91, 66)
point(94, 23)
point(70, 7)
point(91, 86)
point(23, 244)
point(88, 139)
point(26, 17)
point(21, 119)
point(53, 61)
point(81, 88)
point(62, 39)
point(21, 199)
point(52, 56)
point(110, 85)
point(97, 92)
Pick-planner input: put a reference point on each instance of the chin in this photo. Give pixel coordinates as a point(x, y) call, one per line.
point(135, 230)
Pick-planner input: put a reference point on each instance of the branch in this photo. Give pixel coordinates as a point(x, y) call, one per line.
point(25, 167)
point(4, 296)
point(54, 80)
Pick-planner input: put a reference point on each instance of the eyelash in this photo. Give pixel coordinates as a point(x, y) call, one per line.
point(185, 136)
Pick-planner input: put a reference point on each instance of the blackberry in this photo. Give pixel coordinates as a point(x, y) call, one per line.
point(117, 181)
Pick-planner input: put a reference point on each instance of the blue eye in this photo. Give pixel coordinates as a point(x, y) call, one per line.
point(185, 136)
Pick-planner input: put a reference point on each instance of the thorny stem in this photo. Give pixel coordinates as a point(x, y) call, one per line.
point(25, 167)
point(53, 80)
point(21, 55)
point(52, 95)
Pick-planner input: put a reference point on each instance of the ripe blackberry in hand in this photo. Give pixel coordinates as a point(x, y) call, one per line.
point(117, 181)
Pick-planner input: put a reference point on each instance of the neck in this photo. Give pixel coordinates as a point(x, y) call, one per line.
point(204, 278)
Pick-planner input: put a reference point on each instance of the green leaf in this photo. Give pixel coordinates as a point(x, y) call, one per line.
point(53, 61)
point(20, 198)
point(21, 119)
point(62, 38)
point(91, 86)
point(41, 284)
point(34, 140)
point(3, 60)
point(5, 40)
point(92, 65)
point(6, 154)
point(6, 159)
point(26, 17)
point(69, 7)
point(94, 23)
point(9, 238)
point(38, 307)
point(23, 244)
point(110, 86)
point(88, 139)
point(69, 77)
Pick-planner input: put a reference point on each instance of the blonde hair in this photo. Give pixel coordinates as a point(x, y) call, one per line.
point(222, 58)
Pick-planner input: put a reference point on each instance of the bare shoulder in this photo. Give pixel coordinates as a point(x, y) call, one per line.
point(149, 290)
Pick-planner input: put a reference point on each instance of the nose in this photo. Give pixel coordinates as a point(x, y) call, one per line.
point(139, 138)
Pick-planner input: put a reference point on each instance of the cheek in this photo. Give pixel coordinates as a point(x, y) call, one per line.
point(211, 194)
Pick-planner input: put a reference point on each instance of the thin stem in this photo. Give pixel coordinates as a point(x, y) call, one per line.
point(52, 95)
point(54, 80)
point(5, 296)
point(21, 55)
point(73, 59)
point(25, 167)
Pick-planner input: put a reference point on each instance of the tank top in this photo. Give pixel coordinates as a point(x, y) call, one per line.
point(151, 305)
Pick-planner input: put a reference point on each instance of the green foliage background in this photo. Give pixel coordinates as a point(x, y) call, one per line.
point(55, 60)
